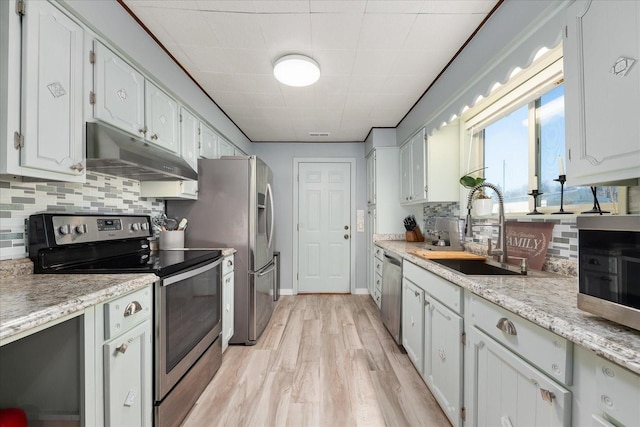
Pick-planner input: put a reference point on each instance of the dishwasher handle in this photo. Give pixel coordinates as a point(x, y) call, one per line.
point(392, 260)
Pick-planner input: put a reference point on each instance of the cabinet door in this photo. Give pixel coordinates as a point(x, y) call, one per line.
point(371, 179)
point(227, 309)
point(127, 378)
point(418, 175)
point(413, 322)
point(119, 92)
point(406, 179)
point(225, 148)
point(161, 116)
point(510, 392)
point(602, 91)
point(208, 142)
point(443, 357)
point(189, 137)
point(52, 121)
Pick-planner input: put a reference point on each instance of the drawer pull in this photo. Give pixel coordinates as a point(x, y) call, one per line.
point(547, 395)
point(506, 326)
point(132, 308)
point(417, 294)
point(229, 263)
point(122, 348)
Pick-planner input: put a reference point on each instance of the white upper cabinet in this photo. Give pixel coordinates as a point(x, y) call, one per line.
point(225, 148)
point(189, 137)
point(123, 98)
point(602, 91)
point(46, 140)
point(161, 114)
point(208, 148)
point(119, 91)
point(371, 179)
point(429, 167)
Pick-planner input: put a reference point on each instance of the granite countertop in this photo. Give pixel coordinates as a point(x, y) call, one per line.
point(29, 301)
point(549, 302)
point(32, 300)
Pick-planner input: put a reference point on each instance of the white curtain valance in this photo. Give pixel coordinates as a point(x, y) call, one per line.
point(527, 27)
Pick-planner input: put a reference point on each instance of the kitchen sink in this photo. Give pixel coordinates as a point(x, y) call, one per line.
point(473, 267)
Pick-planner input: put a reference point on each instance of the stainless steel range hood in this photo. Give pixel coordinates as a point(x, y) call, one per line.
point(114, 152)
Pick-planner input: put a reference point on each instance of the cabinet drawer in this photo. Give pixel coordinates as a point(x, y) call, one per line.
point(444, 291)
point(379, 253)
point(227, 265)
point(618, 393)
point(378, 266)
point(379, 283)
point(125, 312)
point(548, 351)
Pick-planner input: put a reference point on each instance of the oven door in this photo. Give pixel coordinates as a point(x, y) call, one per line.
point(188, 320)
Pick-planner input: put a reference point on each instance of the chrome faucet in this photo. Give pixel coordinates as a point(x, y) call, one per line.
point(501, 245)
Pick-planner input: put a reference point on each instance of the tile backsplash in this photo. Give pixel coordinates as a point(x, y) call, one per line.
point(100, 193)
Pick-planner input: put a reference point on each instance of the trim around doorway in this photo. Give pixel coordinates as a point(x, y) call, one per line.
point(352, 215)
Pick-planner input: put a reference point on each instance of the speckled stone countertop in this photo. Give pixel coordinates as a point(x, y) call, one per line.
point(549, 302)
point(29, 301)
point(32, 300)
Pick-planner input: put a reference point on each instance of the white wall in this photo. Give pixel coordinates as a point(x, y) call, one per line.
point(279, 157)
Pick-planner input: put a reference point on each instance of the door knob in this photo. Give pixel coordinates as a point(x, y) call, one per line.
point(346, 237)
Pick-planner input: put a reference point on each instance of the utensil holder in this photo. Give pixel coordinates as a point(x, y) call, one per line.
point(414, 235)
point(171, 239)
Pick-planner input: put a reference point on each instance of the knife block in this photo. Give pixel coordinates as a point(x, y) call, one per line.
point(414, 235)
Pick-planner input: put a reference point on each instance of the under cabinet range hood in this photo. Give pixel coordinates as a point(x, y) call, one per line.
point(115, 152)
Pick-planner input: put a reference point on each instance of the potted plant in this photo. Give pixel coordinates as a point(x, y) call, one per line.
point(482, 203)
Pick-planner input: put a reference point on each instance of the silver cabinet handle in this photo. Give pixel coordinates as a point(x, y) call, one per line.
point(78, 167)
point(506, 326)
point(417, 294)
point(547, 395)
point(229, 263)
point(122, 348)
point(132, 308)
point(154, 136)
point(143, 130)
point(346, 237)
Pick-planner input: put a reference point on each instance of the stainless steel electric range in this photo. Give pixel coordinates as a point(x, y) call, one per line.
point(187, 296)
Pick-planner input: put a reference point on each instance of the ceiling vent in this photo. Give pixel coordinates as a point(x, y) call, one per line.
point(319, 133)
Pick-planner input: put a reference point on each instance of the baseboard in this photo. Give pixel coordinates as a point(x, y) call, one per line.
point(286, 292)
point(361, 291)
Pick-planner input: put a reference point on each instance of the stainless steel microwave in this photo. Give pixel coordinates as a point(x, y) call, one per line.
point(609, 267)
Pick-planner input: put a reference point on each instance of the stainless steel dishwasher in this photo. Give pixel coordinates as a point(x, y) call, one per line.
point(391, 303)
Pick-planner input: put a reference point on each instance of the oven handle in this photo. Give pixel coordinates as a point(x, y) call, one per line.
point(190, 273)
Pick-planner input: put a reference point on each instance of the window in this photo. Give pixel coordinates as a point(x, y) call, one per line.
point(517, 136)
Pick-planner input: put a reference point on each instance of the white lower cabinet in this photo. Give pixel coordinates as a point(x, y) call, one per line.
point(227, 301)
point(126, 374)
point(413, 322)
point(123, 361)
point(443, 330)
point(509, 392)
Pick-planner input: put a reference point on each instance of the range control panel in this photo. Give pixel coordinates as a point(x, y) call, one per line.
point(70, 229)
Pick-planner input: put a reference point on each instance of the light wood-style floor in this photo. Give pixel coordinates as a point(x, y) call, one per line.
point(324, 360)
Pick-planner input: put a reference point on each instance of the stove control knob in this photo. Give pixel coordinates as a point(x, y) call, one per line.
point(81, 229)
point(64, 229)
point(145, 225)
point(135, 226)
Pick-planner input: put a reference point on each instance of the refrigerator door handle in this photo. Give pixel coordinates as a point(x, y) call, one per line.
point(270, 195)
point(266, 270)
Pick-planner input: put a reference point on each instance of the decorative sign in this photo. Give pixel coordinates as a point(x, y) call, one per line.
point(528, 240)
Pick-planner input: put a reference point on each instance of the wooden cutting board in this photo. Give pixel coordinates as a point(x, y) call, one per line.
point(426, 254)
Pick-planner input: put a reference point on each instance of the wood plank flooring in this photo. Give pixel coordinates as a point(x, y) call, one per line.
point(324, 360)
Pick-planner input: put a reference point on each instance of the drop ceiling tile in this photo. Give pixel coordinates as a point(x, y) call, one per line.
point(335, 62)
point(373, 61)
point(338, 6)
point(445, 28)
point(226, 5)
point(236, 30)
point(207, 59)
point(395, 6)
point(281, 6)
point(286, 33)
point(268, 100)
point(335, 31)
point(458, 6)
point(165, 4)
point(185, 26)
point(366, 83)
point(385, 31)
point(249, 61)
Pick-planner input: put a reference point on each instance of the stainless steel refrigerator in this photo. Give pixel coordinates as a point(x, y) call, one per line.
point(235, 209)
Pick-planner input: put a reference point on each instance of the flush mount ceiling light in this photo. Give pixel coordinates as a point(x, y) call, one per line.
point(296, 70)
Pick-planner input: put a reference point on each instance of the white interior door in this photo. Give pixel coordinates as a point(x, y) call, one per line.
point(324, 205)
